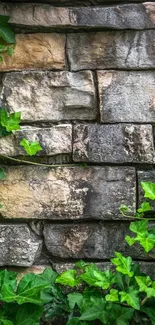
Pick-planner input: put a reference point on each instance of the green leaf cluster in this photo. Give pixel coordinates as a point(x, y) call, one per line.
point(7, 36)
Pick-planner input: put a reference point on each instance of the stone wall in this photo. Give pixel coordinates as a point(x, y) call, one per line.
point(84, 79)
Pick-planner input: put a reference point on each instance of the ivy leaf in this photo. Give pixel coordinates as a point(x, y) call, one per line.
point(112, 296)
point(149, 190)
point(74, 298)
point(148, 242)
point(121, 315)
point(31, 147)
point(81, 264)
point(6, 31)
point(29, 314)
point(139, 227)
point(131, 297)
point(145, 207)
point(146, 285)
point(29, 288)
point(68, 278)
point(96, 311)
point(123, 264)
point(2, 174)
point(10, 121)
point(130, 240)
point(94, 277)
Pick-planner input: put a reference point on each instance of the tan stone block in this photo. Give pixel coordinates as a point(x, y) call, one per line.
point(36, 51)
point(67, 193)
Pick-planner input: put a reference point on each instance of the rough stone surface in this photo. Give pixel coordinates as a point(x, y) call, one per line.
point(50, 96)
point(67, 193)
point(36, 51)
point(108, 50)
point(18, 245)
point(127, 96)
point(73, 2)
point(113, 143)
point(54, 140)
point(98, 241)
point(145, 176)
point(127, 16)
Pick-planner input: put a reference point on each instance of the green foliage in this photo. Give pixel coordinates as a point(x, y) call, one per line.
point(144, 236)
point(7, 36)
point(149, 190)
point(31, 147)
point(2, 174)
point(123, 264)
point(10, 122)
point(68, 278)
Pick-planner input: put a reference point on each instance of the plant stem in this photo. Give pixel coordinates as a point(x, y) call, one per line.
point(38, 164)
point(137, 218)
point(144, 301)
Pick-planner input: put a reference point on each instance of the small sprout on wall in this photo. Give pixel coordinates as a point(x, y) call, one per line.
point(31, 147)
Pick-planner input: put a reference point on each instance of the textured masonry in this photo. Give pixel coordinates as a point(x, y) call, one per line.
point(83, 77)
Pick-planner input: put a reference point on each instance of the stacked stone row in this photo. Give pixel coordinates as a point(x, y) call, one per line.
point(84, 81)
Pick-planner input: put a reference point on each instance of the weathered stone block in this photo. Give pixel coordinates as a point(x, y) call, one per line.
point(113, 143)
point(127, 96)
point(93, 241)
point(125, 16)
point(145, 176)
point(54, 140)
point(50, 96)
point(73, 2)
point(36, 51)
point(18, 245)
point(67, 193)
point(108, 50)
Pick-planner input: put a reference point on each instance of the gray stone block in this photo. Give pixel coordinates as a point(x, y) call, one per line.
point(50, 96)
point(67, 193)
point(120, 143)
point(127, 96)
point(55, 140)
point(19, 246)
point(91, 241)
point(125, 16)
point(108, 50)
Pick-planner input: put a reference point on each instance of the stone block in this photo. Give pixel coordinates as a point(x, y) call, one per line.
point(36, 51)
point(108, 50)
point(54, 140)
point(91, 241)
point(127, 96)
point(67, 193)
point(125, 16)
point(50, 96)
point(19, 246)
point(119, 143)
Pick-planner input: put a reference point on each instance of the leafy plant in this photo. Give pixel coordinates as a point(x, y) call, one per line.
point(7, 36)
point(122, 297)
point(31, 147)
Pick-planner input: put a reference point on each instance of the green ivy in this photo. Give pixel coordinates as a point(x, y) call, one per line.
point(7, 36)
